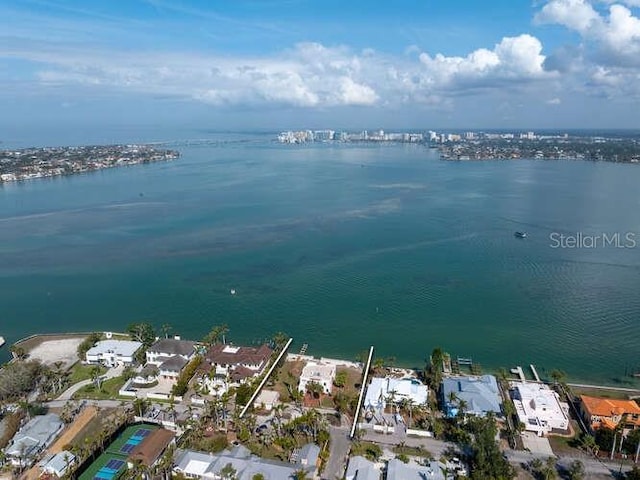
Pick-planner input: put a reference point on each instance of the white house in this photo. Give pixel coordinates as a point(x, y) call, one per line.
point(113, 352)
point(321, 373)
point(267, 399)
point(539, 407)
point(165, 348)
point(393, 390)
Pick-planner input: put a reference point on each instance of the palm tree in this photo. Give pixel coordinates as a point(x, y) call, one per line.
point(228, 472)
point(213, 337)
point(435, 367)
point(165, 329)
point(301, 474)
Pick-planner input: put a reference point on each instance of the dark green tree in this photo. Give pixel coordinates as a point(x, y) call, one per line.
point(215, 334)
point(142, 332)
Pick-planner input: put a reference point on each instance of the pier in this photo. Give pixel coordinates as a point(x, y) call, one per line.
point(518, 371)
point(364, 386)
point(535, 373)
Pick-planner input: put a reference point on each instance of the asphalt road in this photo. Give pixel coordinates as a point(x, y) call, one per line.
point(340, 445)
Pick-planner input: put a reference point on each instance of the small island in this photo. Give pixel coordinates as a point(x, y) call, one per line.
point(41, 162)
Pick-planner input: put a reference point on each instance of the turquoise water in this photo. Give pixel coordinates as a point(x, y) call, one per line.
point(339, 246)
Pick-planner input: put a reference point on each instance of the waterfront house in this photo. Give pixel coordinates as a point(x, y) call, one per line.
point(237, 363)
point(478, 395)
point(360, 468)
point(315, 372)
point(194, 464)
point(170, 355)
point(539, 408)
point(610, 413)
point(382, 391)
point(112, 353)
point(33, 438)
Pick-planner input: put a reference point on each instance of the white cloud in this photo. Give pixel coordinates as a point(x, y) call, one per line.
point(514, 58)
point(554, 101)
point(308, 75)
point(612, 37)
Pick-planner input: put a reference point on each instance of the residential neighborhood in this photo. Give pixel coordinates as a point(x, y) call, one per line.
point(139, 405)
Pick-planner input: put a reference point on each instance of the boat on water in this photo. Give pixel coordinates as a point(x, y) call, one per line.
point(1, 341)
point(520, 234)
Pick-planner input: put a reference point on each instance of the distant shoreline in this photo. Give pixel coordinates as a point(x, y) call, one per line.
point(46, 162)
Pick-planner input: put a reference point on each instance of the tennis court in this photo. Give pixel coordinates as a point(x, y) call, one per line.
point(130, 438)
point(113, 462)
point(105, 467)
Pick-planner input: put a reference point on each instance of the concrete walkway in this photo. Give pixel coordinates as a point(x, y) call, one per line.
point(111, 373)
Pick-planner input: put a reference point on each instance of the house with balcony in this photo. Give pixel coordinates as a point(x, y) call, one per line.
point(170, 356)
point(112, 353)
point(539, 408)
point(610, 413)
point(319, 373)
point(237, 363)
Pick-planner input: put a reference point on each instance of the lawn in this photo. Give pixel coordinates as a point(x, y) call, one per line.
point(597, 392)
point(80, 372)
point(289, 374)
point(108, 390)
point(412, 451)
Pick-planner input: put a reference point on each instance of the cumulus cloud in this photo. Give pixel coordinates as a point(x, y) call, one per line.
point(613, 38)
point(514, 58)
point(307, 75)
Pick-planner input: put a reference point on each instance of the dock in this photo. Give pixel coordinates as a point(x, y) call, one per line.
point(518, 371)
point(535, 373)
point(303, 350)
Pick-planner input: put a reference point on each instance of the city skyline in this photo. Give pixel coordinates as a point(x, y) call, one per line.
point(280, 64)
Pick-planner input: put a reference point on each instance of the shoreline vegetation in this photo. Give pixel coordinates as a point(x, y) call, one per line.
point(21, 349)
point(88, 400)
point(43, 162)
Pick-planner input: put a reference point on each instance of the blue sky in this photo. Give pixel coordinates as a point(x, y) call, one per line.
point(272, 64)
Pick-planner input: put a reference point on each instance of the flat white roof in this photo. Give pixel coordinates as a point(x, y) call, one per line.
point(123, 348)
point(381, 389)
point(538, 406)
point(318, 370)
point(197, 467)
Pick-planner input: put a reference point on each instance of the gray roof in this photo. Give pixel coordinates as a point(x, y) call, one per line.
point(174, 364)
point(58, 463)
point(246, 465)
point(398, 470)
point(35, 435)
point(124, 348)
point(308, 456)
point(360, 468)
point(171, 346)
point(480, 393)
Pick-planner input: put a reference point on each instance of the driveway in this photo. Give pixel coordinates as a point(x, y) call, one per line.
point(340, 445)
